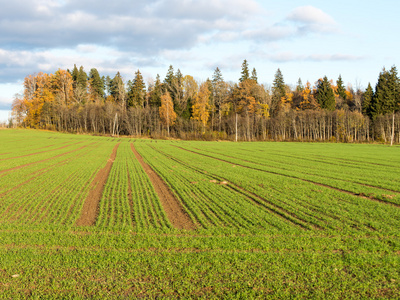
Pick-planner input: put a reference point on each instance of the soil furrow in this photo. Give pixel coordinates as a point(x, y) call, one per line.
point(293, 177)
point(172, 207)
point(91, 206)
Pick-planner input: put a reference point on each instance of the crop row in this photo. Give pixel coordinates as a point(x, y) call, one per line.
point(316, 205)
point(129, 200)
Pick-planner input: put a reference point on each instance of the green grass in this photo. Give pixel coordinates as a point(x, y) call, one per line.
point(290, 220)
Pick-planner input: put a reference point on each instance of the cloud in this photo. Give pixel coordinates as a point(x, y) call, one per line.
point(311, 19)
point(310, 15)
point(284, 57)
point(141, 26)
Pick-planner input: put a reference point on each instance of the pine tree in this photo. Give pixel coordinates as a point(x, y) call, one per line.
point(169, 78)
point(341, 90)
point(325, 95)
point(367, 101)
point(245, 71)
point(81, 80)
point(254, 75)
point(156, 93)
point(136, 91)
point(96, 84)
point(300, 86)
point(386, 98)
point(278, 90)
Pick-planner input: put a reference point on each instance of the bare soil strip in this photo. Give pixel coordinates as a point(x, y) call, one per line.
point(302, 179)
point(91, 206)
point(43, 160)
point(172, 207)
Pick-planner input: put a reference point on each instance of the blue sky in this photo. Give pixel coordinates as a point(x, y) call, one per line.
point(305, 39)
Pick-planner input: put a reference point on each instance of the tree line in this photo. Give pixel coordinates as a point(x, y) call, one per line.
point(181, 107)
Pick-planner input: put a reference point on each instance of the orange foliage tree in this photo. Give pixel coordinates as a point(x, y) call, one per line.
point(201, 106)
point(167, 113)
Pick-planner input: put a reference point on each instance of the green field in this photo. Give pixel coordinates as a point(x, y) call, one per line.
point(251, 220)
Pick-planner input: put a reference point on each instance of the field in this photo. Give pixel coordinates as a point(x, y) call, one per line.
point(102, 217)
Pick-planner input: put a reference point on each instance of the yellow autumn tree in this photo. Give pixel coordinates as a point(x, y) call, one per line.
point(167, 113)
point(63, 86)
point(37, 92)
point(201, 106)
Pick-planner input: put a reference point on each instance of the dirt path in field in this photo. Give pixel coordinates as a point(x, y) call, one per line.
point(293, 177)
point(172, 207)
point(91, 206)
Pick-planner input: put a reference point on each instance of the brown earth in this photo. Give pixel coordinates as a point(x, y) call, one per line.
point(91, 206)
point(172, 206)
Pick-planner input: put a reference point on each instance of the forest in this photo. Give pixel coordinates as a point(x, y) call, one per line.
point(181, 107)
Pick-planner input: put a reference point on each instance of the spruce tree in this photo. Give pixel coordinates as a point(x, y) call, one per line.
point(254, 75)
point(325, 95)
point(137, 91)
point(96, 82)
point(341, 90)
point(367, 101)
point(245, 71)
point(386, 98)
point(278, 87)
point(81, 80)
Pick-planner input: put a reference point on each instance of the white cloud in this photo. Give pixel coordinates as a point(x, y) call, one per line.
point(310, 15)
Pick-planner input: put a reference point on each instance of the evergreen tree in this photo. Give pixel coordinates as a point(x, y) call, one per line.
point(74, 74)
point(117, 89)
point(156, 93)
point(300, 86)
point(325, 95)
point(254, 75)
point(386, 98)
point(341, 90)
point(136, 91)
point(81, 80)
point(367, 101)
point(96, 83)
point(169, 78)
point(278, 87)
point(245, 71)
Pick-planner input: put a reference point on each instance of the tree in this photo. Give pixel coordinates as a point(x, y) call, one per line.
point(201, 106)
point(324, 94)
point(220, 93)
point(167, 113)
point(190, 88)
point(137, 91)
point(254, 75)
point(245, 71)
point(387, 93)
point(156, 92)
point(367, 101)
point(278, 91)
point(96, 85)
point(340, 90)
point(117, 89)
point(63, 86)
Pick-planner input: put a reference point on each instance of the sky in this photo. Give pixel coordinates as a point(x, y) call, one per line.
point(304, 39)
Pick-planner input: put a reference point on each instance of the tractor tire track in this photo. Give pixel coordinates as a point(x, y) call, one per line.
point(91, 205)
point(172, 206)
